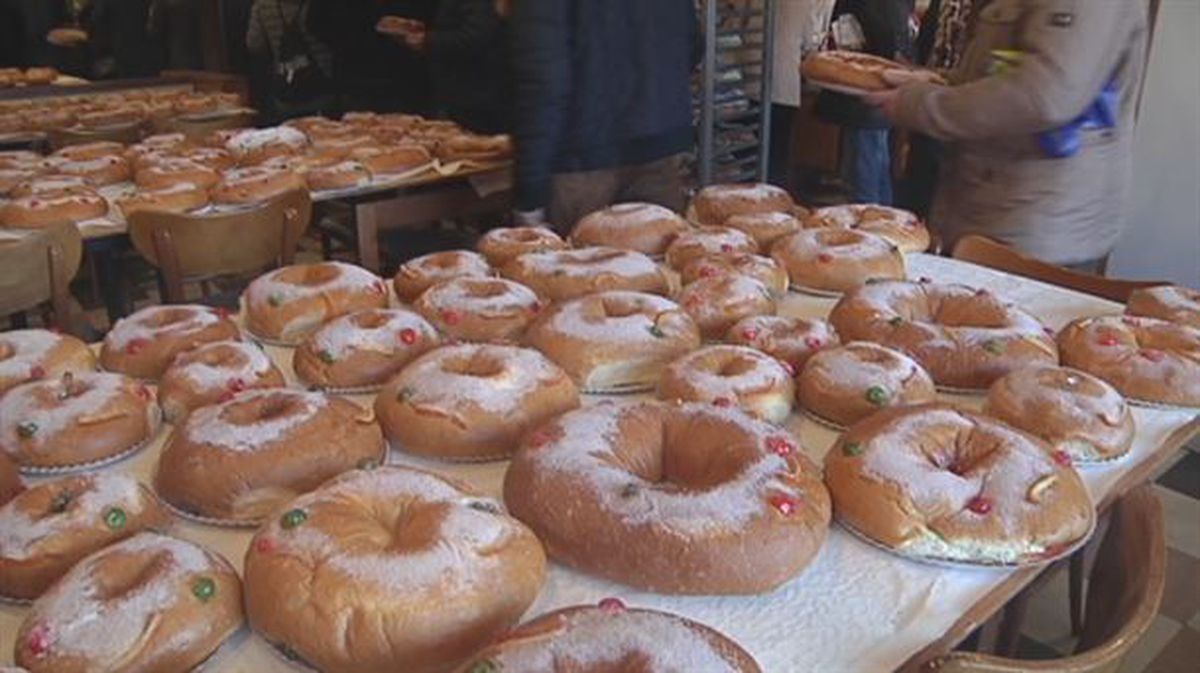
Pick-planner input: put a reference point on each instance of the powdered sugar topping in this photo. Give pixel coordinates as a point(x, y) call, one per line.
point(447, 379)
point(206, 377)
point(81, 618)
point(29, 347)
point(595, 637)
point(21, 534)
point(212, 425)
point(151, 323)
point(90, 394)
point(345, 335)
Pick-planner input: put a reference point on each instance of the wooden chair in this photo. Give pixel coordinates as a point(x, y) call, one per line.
point(987, 252)
point(36, 270)
point(1124, 593)
point(127, 134)
point(197, 248)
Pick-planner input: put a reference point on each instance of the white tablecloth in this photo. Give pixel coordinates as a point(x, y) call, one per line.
point(855, 609)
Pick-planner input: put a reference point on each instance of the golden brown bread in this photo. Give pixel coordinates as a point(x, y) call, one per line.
point(237, 461)
point(680, 499)
point(51, 526)
point(288, 304)
point(964, 337)
point(600, 639)
point(693, 244)
point(506, 243)
point(76, 419)
point(36, 211)
point(149, 604)
point(472, 401)
point(1166, 302)
point(939, 482)
point(899, 227)
point(10, 479)
point(715, 204)
point(614, 341)
point(143, 345)
point(420, 273)
point(860, 71)
point(1074, 412)
point(213, 373)
point(1145, 358)
point(765, 228)
point(837, 260)
point(466, 308)
point(844, 385)
point(731, 376)
point(363, 349)
point(717, 302)
point(33, 354)
point(642, 227)
point(390, 565)
point(566, 274)
point(763, 269)
point(790, 340)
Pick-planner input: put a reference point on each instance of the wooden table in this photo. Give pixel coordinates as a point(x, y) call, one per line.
point(856, 608)
point(427, 199)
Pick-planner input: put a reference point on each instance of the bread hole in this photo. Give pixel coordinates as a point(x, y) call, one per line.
point(123, 574)
point(168, 316)
point(478, 365)
point(875, 356)
point(262, 409)
point(444, 262)
point(838, 237)
point(316, 274)
point(486, 289)
point(526, 235)
point(737, 366)
point(370, 320)
point(616, 308)
point(681, 452)
point(408, 527)
point(597, 256)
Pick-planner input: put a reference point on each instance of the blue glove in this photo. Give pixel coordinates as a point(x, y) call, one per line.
point(1066, 141)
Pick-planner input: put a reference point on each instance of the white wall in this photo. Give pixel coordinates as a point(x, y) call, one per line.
point(1162, 238)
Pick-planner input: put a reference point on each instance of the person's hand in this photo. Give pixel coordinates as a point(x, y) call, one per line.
point(885, 101)
point(416, 39)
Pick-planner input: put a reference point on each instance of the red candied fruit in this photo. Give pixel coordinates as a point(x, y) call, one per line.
point(780, 446)
point(408, 336)
point(237, 385)
point(813, 343)
point(1062, 458)
point(825, 258)
point(612, 605)
point(749, 334)
point(39, 640)
point(136, 346)
point(450, 317)
point(980, 505)
point(1108, 340)
point(723, 402)
point(784, 503)
point(788, 367)
point(1153, 355)
point(264, 545)
point(37, 372)
point(725, 247)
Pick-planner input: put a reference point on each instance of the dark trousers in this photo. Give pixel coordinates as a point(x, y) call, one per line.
point(779, 163)
point(573, 195)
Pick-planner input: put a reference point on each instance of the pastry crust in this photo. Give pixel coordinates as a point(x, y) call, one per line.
point(566, 274)
point(363, 349)
point(715, 204)
point(837, 260)
point(1144, 358)
point(213, 373)
point(846, 384)
point(731, 376)
point(641, 227)
point(143, 345)
point(1166, 302)
point(288, 304)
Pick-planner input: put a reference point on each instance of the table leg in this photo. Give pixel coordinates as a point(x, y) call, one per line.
point(108, 278)
point(366, 222)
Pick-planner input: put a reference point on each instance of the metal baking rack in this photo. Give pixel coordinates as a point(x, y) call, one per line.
point(733, 92)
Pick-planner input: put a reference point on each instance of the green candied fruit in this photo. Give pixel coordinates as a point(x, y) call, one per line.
point(485, 666)
point(994, 347)
point(852, 449)
point(204, 589)
point(293, 518)
point(115, 518)
point(656, 332)
point(878, 395)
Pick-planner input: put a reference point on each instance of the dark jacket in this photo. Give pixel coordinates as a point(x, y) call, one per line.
point(119, 28)
point(373, 70)
point(469, 60)
point(599, 84)
point(885, 28)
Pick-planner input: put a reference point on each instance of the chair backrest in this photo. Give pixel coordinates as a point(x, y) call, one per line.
point(987, 252)
point(127, 134)
point(189, 247)
point(38, 268)
point(1124, 592)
